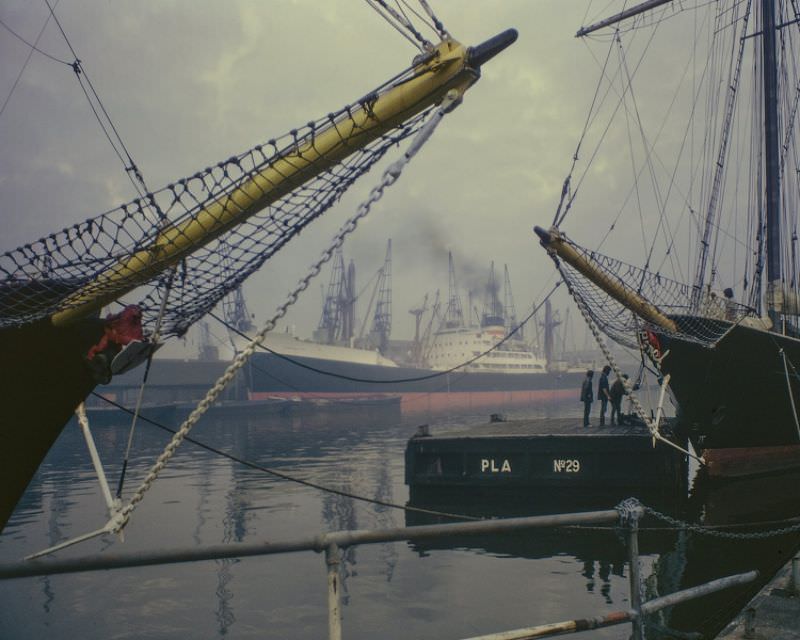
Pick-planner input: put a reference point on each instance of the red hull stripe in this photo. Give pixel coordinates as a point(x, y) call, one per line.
point(421, 402)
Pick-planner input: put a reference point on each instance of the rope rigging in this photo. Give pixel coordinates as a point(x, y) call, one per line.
point(32, 47)
point(116, 142)
point(79, 254)
point(390, 176)
point(435, 374)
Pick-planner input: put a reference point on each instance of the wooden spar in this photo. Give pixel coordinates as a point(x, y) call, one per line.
point(553, 242)
point(622, 15)
point(450, 66)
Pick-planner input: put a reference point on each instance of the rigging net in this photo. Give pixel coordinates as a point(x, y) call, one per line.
point(675, 300)
point(42, 277)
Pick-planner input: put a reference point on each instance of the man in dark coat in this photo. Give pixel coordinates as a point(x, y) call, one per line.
point(616, 392)
point(587, 396)
point(602, 393)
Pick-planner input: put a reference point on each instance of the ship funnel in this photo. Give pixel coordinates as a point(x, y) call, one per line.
point(478, 55)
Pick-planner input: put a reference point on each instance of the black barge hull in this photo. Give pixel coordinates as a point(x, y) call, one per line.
point(537, 456)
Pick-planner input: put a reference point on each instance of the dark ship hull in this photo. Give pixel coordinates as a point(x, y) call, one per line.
point(421, 390)
point(736, 393)
point(44, 378)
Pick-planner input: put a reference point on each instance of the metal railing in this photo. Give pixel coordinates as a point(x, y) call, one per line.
point(627, 515)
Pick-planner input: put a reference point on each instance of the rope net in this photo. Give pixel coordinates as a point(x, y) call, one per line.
point(41, 278)
point(701, 316)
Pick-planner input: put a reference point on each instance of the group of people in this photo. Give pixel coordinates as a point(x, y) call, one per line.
point(605, 393)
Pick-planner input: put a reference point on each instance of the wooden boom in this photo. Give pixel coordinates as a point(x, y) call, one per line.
point(554, 243)
point(449, 66)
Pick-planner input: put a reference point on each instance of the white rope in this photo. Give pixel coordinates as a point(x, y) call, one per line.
point(652, 425)
point(400, 22)
point(436, 22)
point(390, 176)
point(791, 395)
point(115, 517)
point(140, 396)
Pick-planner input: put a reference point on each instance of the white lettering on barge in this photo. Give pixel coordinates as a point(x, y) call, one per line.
point(566, 466)
point(490, 465)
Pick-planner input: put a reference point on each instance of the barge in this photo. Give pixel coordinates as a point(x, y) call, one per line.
point(540, 458)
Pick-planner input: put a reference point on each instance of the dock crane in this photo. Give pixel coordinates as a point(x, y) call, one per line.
point(416, 348)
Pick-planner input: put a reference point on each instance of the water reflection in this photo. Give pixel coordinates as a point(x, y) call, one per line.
point(451, 588)
point(673, 558)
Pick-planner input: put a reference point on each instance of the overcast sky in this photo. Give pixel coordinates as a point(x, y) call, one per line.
point(188, 83)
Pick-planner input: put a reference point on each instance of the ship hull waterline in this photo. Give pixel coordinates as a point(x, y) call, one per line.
point(738, 393)
point(422, 391)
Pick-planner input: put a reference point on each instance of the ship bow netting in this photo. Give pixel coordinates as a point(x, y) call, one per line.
point(61, 270)
point(700, 316)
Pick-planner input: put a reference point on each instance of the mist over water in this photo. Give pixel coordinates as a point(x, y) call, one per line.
point(444, 589)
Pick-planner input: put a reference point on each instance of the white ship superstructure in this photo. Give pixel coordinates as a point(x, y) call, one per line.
point(455, 346)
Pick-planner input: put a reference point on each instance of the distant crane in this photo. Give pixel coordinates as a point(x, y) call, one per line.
point(551, 321)
point(336, 324)
point(416, 348)
point(382, 320)
point(509, 309)
point(235, 312)
point(454, 315)
point(425, 340)
point(207, 350)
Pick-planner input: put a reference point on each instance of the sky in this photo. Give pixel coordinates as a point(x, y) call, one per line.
point(188, 83)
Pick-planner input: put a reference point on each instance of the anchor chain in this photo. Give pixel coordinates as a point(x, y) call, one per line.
point(390, 176)
point(700, 529)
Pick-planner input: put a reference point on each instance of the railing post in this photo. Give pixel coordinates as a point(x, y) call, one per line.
point(332, 560)
point(635, 578)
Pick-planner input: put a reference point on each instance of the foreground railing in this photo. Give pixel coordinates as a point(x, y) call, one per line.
point(627, 515)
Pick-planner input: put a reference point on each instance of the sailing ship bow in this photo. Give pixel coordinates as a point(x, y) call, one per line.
point(448, 67)
point(217, 226)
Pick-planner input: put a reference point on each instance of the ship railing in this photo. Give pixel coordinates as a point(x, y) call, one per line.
point(626, 515)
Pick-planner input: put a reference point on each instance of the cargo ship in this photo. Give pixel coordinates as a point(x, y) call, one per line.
point(471, 373)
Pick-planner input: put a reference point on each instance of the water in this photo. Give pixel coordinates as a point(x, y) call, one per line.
point(448, 589)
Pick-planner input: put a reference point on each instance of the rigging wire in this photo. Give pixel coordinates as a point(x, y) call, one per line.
point(131, 169)
point(435, 374)
point(33, 47)
point(286, 476)
point(401, 24)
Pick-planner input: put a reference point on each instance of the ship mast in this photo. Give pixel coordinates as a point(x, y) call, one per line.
point(772, 153)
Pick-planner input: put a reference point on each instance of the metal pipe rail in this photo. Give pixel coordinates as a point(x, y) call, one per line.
point(333, 542)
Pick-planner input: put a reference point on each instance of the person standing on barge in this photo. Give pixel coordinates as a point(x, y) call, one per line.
point(603, 394)
point(587, 396)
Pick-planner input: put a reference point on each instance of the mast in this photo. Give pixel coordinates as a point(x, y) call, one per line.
point(772, 156)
